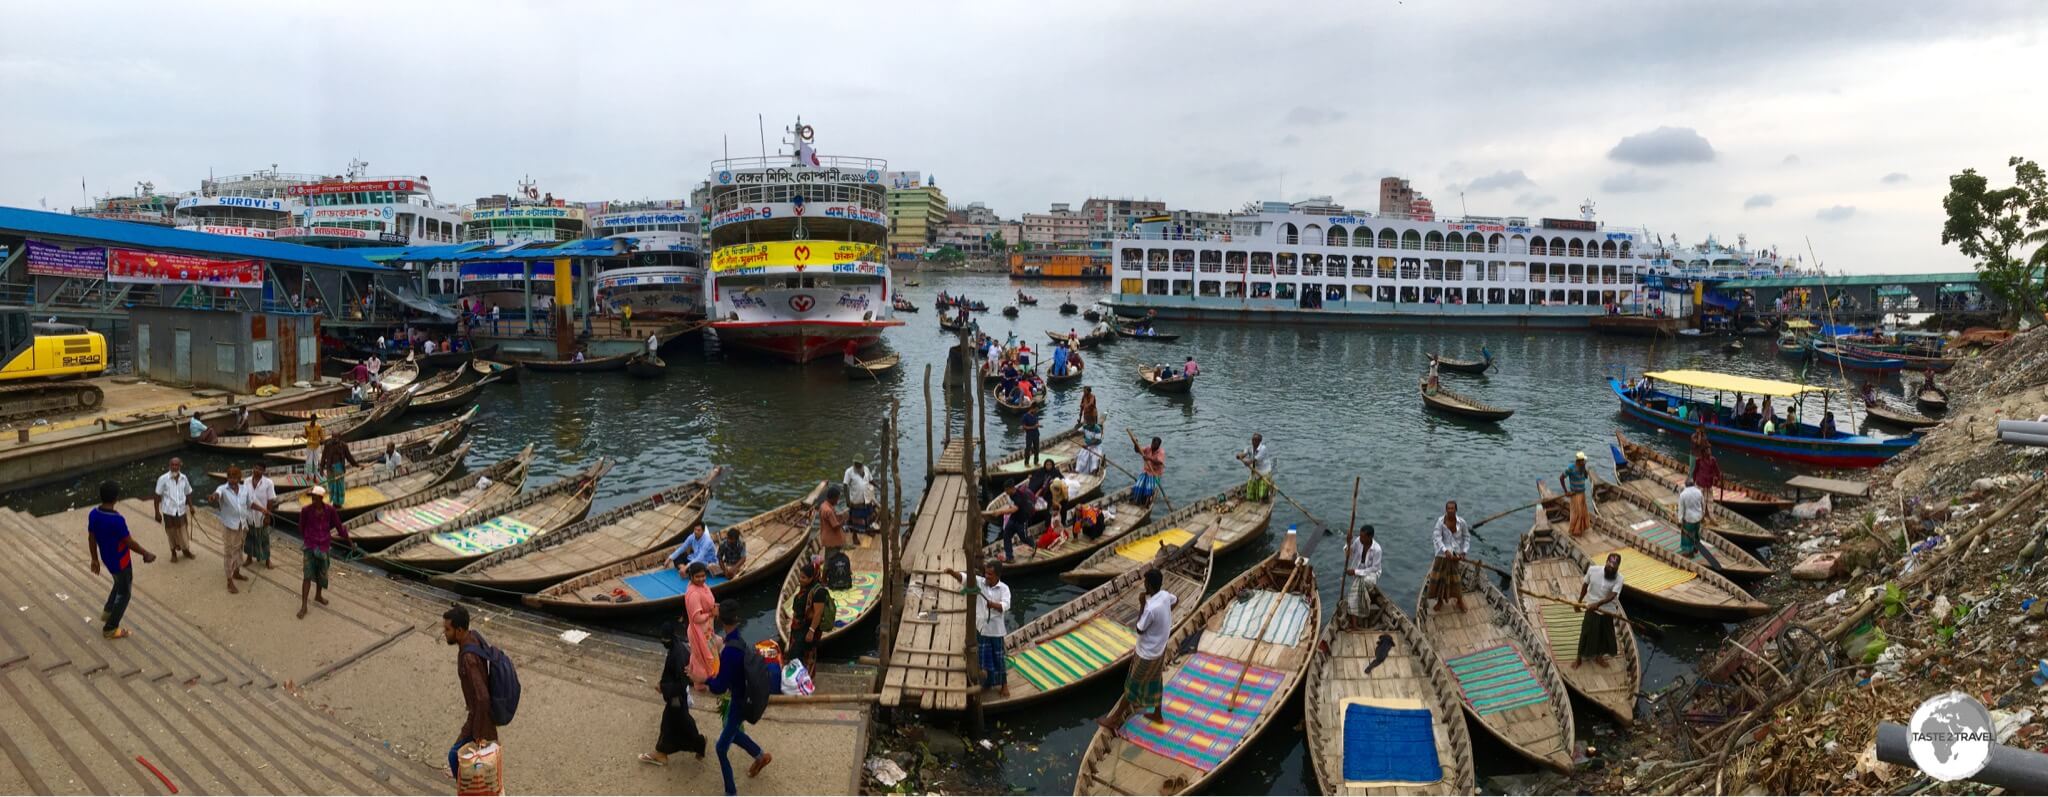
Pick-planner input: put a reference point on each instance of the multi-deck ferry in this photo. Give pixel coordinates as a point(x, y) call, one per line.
point(145, 206)
point(253, 205)
point(353, 209)
point(662, 271)
point(527, 216)
point(1288, 265)
point(798, 248)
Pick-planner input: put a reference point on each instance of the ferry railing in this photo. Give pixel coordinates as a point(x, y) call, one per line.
point(789, 161)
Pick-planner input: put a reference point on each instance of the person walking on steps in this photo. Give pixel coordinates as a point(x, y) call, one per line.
point(319, 524)
point(112, 546)
point(170, 504)
point(473, 673)
point(232, 498)
point(731, 680)
point(678, 729)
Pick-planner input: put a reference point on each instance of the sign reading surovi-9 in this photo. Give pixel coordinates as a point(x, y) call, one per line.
point(748, 258)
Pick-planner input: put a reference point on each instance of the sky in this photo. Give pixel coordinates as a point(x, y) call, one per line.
point(1829, 127)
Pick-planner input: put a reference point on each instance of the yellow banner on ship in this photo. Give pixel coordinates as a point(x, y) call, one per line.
point(745, 257)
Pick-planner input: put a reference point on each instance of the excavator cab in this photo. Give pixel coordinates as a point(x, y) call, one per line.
point(34, 352)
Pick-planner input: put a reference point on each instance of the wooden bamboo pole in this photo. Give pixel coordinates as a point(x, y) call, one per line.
point(927, 419)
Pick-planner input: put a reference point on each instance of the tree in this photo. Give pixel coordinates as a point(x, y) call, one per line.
point(997, 244)
point(1995, 225)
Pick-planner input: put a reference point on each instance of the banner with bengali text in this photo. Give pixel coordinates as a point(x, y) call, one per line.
point(790, 254)
point(56, 261)
point(128, 265)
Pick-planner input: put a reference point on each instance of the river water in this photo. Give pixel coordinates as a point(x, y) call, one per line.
point(1333, 405)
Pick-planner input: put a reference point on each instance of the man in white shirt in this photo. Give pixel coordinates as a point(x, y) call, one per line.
point(1261, 486)
point(1692, 513)
point(991, 600)
point(653, 342)
point(428, 347)
point(1597, 638)
point(860, 498)
point(173, 494)
point(1453, 537)
point(232, 498)
point(1363, 563)
point(1144, 683)
point(392, 459)
point(262, 506)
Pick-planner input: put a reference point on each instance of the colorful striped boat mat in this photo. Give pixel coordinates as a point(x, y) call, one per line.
point(1561, 625)
point(495, 534)
point(1073, 655)
point(1285, 626)
point(1657, 532)
point(848, 603)
point(1498, 679)
point(1641, 571)
point(1389, 742)
point(420, 517)
point(1208, 711)
point(1144, 548)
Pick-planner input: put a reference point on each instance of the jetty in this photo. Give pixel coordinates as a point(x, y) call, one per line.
point(934, 640)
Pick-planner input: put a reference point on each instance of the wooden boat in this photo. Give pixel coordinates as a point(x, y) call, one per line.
point(1653, 465)
point(327, 415)
point(1503, 668)
point(450, 398)
point(1411, 677)
point(1803, 443)
point(440, 436)
point(1091, 315)
point(490, 528)
point(1069, 308)
point(1030, 301)
point(1833, 354)
point(649, 582)
point(1060, 449)
point(1932, 400)
point(1080, 487)
point(1887, 415)
point(1129, 517)
point(294, 476)
point(333, 418)
point(850, 607)
point(398, 375)
point(950, 324)
point(1085, 341)
point(1010, 311)
point(1072, 375)
point(905, 306)
point(1479, 366)
point(1094, 636)
point(1244, 648)
point(1652, 574)
point(613, 363)
point(1641, 509)
point(1446, 401)
point(1556, 570)
point(457, 359)
point(1905, 354)
point(1149, 337)
point(442, 506)
point(1792, 348)
point(1004, 406)
point(507, 373)
point(875, 368)
point(646, 366)
point(1149, 377)
point(370, 486)
point(282, 437)
point(1226, 520)
point(655, 522)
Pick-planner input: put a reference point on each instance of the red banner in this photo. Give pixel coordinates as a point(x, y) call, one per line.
point(349, 188)
point(128, 265)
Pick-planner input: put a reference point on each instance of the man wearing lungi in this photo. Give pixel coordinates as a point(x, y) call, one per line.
point(1596, 632)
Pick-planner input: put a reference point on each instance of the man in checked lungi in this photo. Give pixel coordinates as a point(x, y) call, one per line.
point(1144, 684)
point(1597, 637)
point(990, 622)
point(1453, 537)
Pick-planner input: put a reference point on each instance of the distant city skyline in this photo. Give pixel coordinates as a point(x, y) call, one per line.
point(1835, 122)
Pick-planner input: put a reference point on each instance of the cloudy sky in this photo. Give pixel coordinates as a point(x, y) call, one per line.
point(1837, 122)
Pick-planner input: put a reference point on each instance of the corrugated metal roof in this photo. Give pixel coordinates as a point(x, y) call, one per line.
point(1859, 280)
point(582, 247)
point(23, 221)
point(413, 254)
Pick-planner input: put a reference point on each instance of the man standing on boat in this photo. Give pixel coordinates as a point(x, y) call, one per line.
point(1144, 684)
point(1453, 537)
point(314, 437)
point(860, 498)
point(1692, 513)
point(1575, 480)
point(1597, 637)
point(1029, 422)
point(1706, 471)
point(1261, 485)
point(992, 600)
point(1363, 561)
point(1088, 408)
point(1154, 470)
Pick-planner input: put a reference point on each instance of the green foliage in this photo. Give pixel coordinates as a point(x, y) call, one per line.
point(1995, 225)
point(1894, 601)
point(998, 244)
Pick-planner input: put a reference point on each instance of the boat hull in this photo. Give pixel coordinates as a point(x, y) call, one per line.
point(1807, 450)
point(800, 341)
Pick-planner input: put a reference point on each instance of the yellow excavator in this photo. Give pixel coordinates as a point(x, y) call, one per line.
point(37, 356)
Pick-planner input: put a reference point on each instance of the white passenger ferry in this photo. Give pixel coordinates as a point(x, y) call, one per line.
point(253, 205)
point(528, 215)
point(1295, 266)
point(661, 272)
point(354, 209)
point(798, 248)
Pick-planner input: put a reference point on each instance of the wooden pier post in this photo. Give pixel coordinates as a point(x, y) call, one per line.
point(891, 569)
point(927, 421)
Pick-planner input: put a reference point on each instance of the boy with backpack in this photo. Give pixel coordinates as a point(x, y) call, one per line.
point(742, 676)
point(490, 686)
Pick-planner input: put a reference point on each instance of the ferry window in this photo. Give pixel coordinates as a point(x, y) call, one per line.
point(1233, 290)
point(1386, 293)
point(1411, 294)
point(1285, 290)
point(1361, 293)
point(1182, 287)
point(1209, 288)
point(1155, 287)
point(1262, 290)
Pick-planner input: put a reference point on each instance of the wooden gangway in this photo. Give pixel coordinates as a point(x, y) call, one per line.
point(933, 649)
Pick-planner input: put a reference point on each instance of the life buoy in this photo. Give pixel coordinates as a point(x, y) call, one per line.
point(806, 132)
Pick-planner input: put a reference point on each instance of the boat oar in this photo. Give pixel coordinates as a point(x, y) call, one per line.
point(864, 366)
point(1655, 629)
point(1297, 505)
point(1162, 490)
point(1259, 636)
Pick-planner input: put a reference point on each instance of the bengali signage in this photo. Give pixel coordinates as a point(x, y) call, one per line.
point(230, 230)
point(770, 210)
point(1581, 225)
point(512, 270)
point(251, 203)
point(319, 189)
point(328, 232)
point(745, 258)
point(523, 212)
point(352, 213)
point(800, 174)
point(129, 265)
point(56, 261)
point(646, 218)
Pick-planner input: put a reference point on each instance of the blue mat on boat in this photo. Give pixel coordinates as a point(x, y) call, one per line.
point(664, 584)
point(1390, 744)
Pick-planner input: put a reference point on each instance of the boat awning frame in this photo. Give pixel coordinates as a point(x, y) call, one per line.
point(1730, 383)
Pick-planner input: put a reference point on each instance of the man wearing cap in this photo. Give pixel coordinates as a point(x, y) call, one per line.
point(1574, 480)
point(319, 523)
point(1602, 586)
point(860, 498)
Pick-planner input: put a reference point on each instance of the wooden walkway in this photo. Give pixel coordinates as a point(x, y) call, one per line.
point(933, 641)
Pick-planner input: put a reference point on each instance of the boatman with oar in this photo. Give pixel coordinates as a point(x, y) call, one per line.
point(1597, 637)
point(1260, 488)
point(1574, 481)
point(1453, 538)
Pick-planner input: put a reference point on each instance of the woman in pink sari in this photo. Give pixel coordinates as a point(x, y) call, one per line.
point(700, 611)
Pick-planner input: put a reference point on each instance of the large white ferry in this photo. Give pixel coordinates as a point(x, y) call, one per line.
point(526, 216)
point(798, 248)
point(1323, 265)
point(253, 205)
point(662, 271)
point(353, 209)
point(145, 206)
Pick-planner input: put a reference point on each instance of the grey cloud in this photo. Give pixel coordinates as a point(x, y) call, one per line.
point(1663, 146)
point(1790, 160)
point(1630, 182)
point(1759, 201)
point(1290, 140)
point(1312, 117)
point(1500, 181)
point(1894, 178)
point(1836, 213)
point(1354, 177)
point(1535, 201)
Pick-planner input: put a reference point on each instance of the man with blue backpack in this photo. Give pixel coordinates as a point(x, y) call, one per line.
point(490, 685)
point(743, 678)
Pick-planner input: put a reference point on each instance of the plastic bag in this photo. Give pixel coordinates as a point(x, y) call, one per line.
point(480, 771)
point(796, 680)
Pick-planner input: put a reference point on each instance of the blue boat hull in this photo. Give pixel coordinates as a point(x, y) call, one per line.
point(1848, 451)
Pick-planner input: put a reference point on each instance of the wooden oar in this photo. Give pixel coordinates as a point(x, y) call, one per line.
point(1271, 485)
point(1259, 637)
point(864, 366)
point(1654, 628)
point(1162, 491)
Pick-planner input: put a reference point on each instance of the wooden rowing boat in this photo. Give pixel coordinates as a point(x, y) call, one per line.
point(459, 359)
point(1069, 308)
point(646, 366)
point(1648, 463)
point(1244, 648)
point(1060, 448)
point(1091, 315)
point(1888, 415)
point(1503, 669)
point(1411, 676)
point(850, 607)
point(875, 368)
point(1010, 311)
point(368, 487)
point(442, 507)
point(489, 528)
point(342, 418)
point(1556, 570)
point(612, 363)
point(443, 436)
point(450, 398)
point(1031, 301)
point(327, 415)
point(1226, 520)
point(649, 582)
point(294, 476)
point(1095, 635)
point(1446, 401)
point(1149, 377)
point(1082, 341)
point(507, 373)
point(1479, 366)
point(1654, 575)
point(948, 323)
point(1932, 400)
point(655, 522)
point(1072, 375)
point(1004, 406)
point(1661, 502)
point(395, 376)
point(1149, 337)
point(279, 438)
point(1129, 516)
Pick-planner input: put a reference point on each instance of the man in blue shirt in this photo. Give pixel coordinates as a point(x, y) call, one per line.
point(1030, 423)
point(731, 680)
point(698, 548)
point(111, 545)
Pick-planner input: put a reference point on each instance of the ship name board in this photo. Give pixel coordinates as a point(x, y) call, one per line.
point(250, 202)
point(524, 212)
point(221, 229)
point(1581, 225)
point(748, 258)
point(800, 174)
point(317, 189)
point(644, 218)
point(370, 213)
point(771, 210)
point(327, 232)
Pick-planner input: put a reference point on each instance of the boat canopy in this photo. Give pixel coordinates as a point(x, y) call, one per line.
point(1733, 384)
point(1799, 323)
